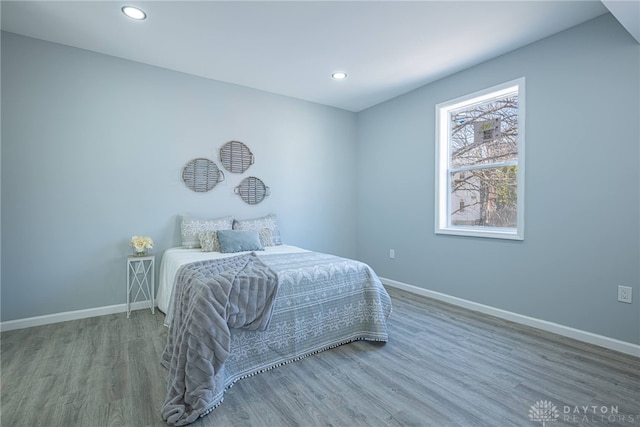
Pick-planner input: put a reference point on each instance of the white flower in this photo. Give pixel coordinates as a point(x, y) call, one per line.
point(141, 243)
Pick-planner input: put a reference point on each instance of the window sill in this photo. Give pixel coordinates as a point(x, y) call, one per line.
point(485, 232)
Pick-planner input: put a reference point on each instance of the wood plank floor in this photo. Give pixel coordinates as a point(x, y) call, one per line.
point(443, 366)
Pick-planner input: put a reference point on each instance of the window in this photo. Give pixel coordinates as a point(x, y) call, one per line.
point(480, 163)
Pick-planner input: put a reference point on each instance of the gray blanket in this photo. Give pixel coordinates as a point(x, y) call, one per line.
point(211, 297)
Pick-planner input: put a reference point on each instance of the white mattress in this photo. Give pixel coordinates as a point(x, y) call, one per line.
point(174, 258)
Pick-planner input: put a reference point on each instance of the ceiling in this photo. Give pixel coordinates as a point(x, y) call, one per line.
point(387, 48)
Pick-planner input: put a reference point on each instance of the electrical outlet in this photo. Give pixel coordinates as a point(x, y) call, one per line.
point(624, 294)
point(392, 253)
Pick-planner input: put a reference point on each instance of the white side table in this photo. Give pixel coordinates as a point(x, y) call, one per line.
point(141, 275)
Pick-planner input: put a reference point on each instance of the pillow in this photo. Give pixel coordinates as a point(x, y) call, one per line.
point(239, 240)
point(270, 221)
point(191, 227)
point(209, 241)
point(266, 237)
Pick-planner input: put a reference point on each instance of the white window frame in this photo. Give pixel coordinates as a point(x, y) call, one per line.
point(443, 164)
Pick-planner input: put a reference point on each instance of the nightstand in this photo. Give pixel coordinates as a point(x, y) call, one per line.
point(141, 278)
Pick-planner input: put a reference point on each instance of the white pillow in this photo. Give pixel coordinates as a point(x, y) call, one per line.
point(190, 228)
point(266, 237)
point(270, 221)
point(209, 241)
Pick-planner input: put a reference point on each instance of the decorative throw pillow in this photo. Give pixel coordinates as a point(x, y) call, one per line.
point(190, 228)
point(270, 221)
point(266, 237)
point(209, 241)
point(239, 240)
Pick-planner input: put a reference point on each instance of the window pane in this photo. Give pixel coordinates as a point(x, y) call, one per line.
point(484, 197)
point(485, 133)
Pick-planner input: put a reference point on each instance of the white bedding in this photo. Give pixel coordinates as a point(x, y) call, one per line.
point(174, 258)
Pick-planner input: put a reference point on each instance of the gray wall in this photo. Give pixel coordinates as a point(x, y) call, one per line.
point(92, 153)
point(582, 186)
point(77, 127)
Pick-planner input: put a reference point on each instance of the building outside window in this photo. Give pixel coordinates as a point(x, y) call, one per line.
point(480, 163)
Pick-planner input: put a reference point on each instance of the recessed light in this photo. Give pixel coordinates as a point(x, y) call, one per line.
point(339, 75)
point(134, 13)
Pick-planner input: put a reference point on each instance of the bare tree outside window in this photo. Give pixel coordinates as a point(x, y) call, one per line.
point(493, 188)
point(480, 163)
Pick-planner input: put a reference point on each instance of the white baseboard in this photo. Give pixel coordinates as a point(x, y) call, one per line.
point(71, 315)
point(588, 337)
point(580, 335)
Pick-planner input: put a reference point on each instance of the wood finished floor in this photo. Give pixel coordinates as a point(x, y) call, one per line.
point(443, 366)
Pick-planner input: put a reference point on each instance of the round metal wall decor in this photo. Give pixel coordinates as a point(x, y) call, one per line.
point(236, 157)
point(252, 190)
point(201, 175)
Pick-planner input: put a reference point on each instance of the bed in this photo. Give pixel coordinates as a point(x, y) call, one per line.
point(318, 301)
point(174, 258)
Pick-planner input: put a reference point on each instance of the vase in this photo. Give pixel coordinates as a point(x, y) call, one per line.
point(139, 252)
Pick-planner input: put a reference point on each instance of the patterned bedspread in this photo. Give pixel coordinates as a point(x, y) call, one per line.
point(322, 301)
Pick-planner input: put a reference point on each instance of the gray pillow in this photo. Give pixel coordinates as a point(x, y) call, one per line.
point(239, 240)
